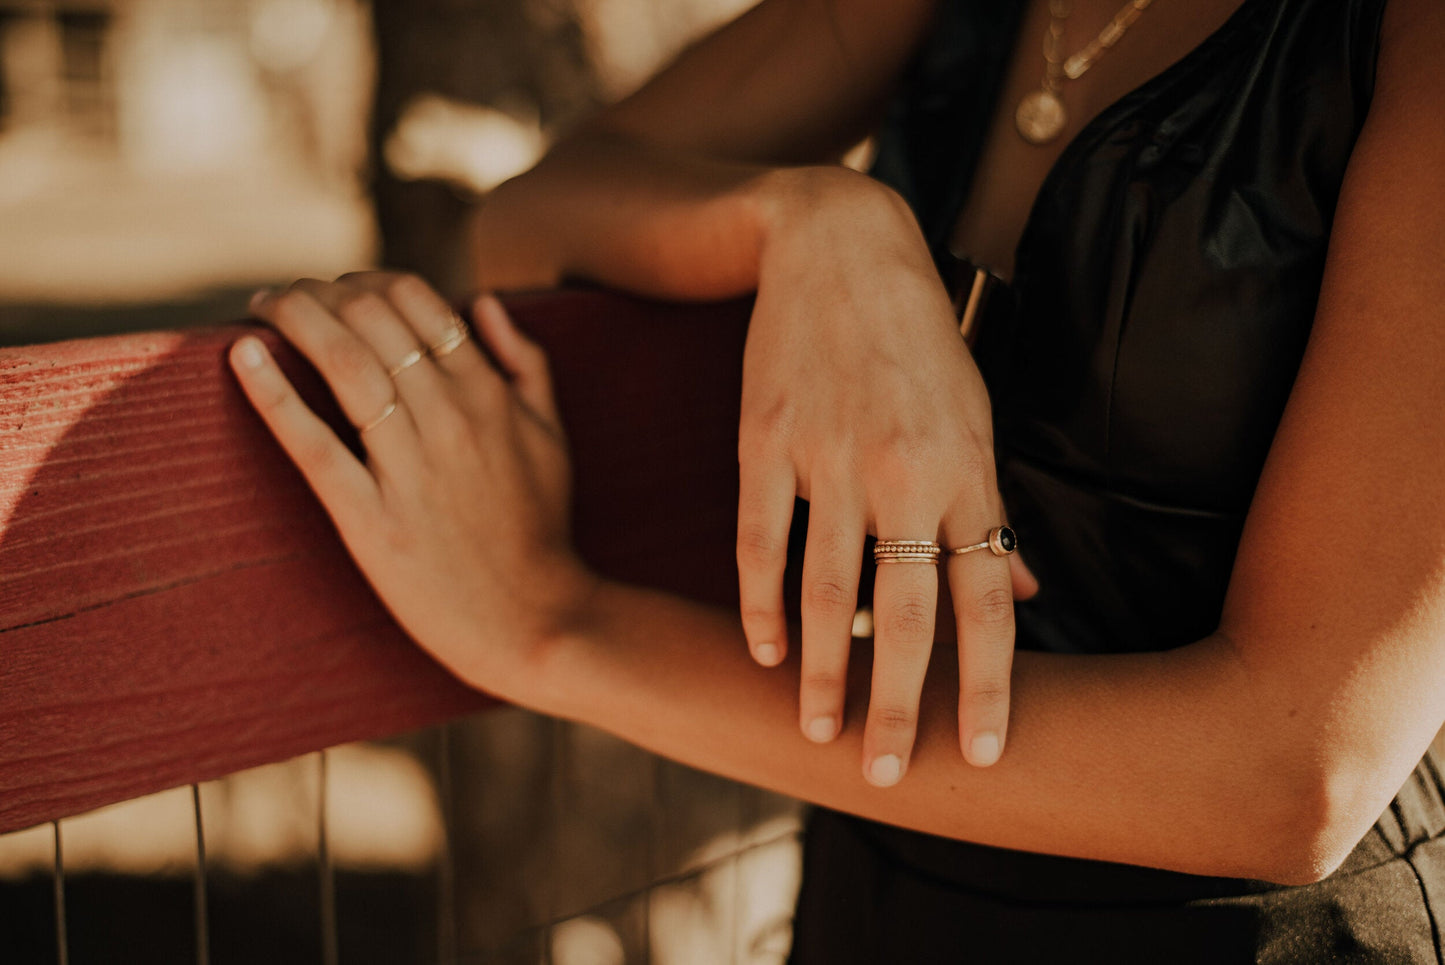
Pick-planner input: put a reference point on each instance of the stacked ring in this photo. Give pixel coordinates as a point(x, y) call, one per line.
point(907, 551)
point(1001, 541)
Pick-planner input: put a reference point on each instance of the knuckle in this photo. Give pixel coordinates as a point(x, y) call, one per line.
point(901, 476)
point(349, 360)
point(767, 423)
point(893, 718)
point(277, 398)
point(827, 683)
point(993, 607)
point(829, 594)
point(909, 616)
point(305, 285)
point(356, 305)
point(290, 304)
point(988, 693)
point(758, 548)
point(316, 455)
point(407, 285)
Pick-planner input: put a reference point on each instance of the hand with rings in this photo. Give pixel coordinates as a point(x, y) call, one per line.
point(458, 515)
point(860, 397)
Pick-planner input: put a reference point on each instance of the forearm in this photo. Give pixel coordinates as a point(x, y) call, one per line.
point(609, 208)
point(1151, 759)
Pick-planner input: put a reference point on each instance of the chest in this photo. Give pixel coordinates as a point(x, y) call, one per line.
point(1010, 169)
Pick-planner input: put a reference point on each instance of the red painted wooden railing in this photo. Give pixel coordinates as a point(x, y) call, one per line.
point(174, 605)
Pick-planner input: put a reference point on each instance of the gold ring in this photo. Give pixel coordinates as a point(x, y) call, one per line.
point(450, 342)
point(1001, 542)
point(385, 414)
point(906, 551)
point(407, 361)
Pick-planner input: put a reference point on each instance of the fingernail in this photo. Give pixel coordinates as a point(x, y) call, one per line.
point(885, 771)
point(258, 298)
point(767, 654)
point(822, 729)
point(250, 353)
point(984, 749)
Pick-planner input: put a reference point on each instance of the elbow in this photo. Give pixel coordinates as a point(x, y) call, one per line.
point(1322, 815)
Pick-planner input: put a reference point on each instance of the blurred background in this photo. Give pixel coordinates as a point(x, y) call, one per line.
point(159, 160)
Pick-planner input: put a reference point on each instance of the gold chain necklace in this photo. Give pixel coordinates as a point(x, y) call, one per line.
point(1041, 115)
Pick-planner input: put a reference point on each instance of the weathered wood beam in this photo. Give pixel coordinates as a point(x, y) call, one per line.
point(174, 604)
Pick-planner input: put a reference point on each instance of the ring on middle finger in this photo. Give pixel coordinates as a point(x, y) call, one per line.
point(405, 362)
point(1001, 541)
point(907, 551)
point(456, 335)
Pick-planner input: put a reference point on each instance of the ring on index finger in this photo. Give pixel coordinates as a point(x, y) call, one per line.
point(1001, 541)
point(907, 551)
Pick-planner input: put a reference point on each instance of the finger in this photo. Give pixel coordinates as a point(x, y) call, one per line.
point(765, 511)
point(350, 367)
point(905, 596)
point(1025, 584)
point(830, 598)
point(521, 359)
point(439, 328)
point(342, 483)
point(983, 607)
point(377, 323)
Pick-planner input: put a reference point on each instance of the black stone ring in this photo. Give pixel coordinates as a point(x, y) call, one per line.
point(1001, 542)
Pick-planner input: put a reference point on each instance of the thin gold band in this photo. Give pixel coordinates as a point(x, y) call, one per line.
point(385, 414)
point(406, 362)
point(448, 343)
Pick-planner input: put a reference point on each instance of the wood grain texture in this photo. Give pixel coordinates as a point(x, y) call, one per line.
point(174, 604)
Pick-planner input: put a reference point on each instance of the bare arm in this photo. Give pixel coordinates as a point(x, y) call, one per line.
point(1292, 727)
point(685, 190)
point(658, 194)
point(1265, 750)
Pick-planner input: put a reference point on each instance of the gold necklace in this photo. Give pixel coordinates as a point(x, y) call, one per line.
point(1041, 115)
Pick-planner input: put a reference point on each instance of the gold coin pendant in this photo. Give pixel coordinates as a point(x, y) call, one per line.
point(1040, 117)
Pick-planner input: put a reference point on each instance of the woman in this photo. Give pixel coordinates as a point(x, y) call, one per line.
point(1223, 334)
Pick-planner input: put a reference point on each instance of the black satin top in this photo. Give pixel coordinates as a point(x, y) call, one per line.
point(1165, 286)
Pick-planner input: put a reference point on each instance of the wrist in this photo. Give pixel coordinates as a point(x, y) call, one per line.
point(793, 202)
point(567, 625)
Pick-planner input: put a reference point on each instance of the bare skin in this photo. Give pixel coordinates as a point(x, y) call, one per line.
point(1264, 750)
point(1011, 170)
point(858, 395)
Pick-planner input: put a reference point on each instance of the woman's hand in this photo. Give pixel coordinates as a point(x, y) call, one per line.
point(860, 397)
point(459, 513)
